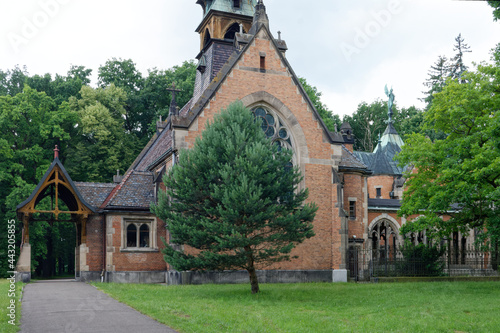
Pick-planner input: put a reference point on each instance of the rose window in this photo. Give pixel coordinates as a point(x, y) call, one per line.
point(274, 128)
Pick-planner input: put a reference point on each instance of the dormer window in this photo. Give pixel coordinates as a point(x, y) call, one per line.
point(236, 3)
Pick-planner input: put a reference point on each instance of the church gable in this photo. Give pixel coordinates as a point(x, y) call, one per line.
point(260, 66)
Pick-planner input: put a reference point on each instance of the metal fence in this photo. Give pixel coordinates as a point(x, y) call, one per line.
point(391, 262)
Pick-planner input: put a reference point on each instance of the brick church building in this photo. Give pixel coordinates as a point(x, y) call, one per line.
point(119, 239)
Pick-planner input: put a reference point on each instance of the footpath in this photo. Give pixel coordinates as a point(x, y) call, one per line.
point(66, 306)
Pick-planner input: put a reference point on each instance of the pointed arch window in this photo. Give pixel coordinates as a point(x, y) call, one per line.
point(131, 235)
point(207, 38)
point(144, 236)
point(275, 130)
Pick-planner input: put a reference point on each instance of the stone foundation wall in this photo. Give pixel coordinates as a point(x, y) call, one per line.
point(233, 277)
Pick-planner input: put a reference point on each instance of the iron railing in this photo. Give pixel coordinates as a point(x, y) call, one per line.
point(391, 262)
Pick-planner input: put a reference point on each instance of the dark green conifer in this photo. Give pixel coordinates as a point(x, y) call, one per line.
point(235, 199)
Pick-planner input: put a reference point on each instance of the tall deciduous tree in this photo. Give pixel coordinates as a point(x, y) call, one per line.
point(462, 172)
point(369, 121)
point(234, 199)
point(101, 145)
point(30, 124)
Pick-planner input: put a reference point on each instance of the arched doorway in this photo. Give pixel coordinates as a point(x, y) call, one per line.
point(55, 200)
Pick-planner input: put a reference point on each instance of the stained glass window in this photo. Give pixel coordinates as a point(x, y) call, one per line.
point(273, 127)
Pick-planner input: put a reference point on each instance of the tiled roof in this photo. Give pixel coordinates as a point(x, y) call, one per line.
point(135, 191)
point(162, 144)
point(382, 160)
point(350, 161)
point(95, 193)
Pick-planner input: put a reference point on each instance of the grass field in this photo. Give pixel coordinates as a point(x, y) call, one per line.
point(387, 307)
point(5, 302)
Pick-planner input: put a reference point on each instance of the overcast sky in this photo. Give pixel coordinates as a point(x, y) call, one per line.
point(348, 49)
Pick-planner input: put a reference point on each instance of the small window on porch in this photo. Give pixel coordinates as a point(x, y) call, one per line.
point(138, 235)
point(236, 3)
point(379, 192)
point(131, 235)
point(144, 236)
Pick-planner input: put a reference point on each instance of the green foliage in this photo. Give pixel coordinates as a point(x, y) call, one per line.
point(12, 81)
point(369, 122)
point(496, 11)
point(328, 117)
point(98, 131)
point(460, 173)
point(421, 260)
point(30, 124)
point(234, 199)
point(155, 93)
point(147, 98)
point(101, 145)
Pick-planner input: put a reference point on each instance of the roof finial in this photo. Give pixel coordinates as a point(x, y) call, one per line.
point(279, 35)
point(56, 152)
point(173, 104)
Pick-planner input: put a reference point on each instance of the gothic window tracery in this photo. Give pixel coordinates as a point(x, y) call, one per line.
point(274, 128)
point(384, 238)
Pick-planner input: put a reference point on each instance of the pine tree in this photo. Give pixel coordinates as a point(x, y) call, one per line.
point(457, 67)
point(233, 198)
point(437, 79)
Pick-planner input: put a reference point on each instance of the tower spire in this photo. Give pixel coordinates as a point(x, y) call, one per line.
point(260, 17)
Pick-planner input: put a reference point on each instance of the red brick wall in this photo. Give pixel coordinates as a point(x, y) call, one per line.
point(353, 188)
point(94, 242)
point(386, 182)
point(317, 252)
point(136, 261)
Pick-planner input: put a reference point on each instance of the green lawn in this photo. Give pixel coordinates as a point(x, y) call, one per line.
point(321, 307)
point(5, 302)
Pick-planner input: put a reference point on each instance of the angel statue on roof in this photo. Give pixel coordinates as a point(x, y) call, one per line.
point(390, 103)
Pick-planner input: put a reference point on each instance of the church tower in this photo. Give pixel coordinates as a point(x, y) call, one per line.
point(222, 19)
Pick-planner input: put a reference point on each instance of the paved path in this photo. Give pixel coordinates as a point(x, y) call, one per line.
point(67, 306)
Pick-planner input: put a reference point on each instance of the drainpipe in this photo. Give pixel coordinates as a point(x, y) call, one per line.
point(103, 273)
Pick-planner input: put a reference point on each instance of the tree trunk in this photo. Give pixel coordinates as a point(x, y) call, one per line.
point(494, 261)
point(254, 282)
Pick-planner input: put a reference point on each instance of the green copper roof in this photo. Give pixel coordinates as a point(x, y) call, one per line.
point(247, 7)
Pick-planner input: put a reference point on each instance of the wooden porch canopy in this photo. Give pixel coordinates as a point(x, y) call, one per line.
point(56, 184)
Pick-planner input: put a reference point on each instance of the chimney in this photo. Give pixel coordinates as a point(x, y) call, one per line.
point(117, 179)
